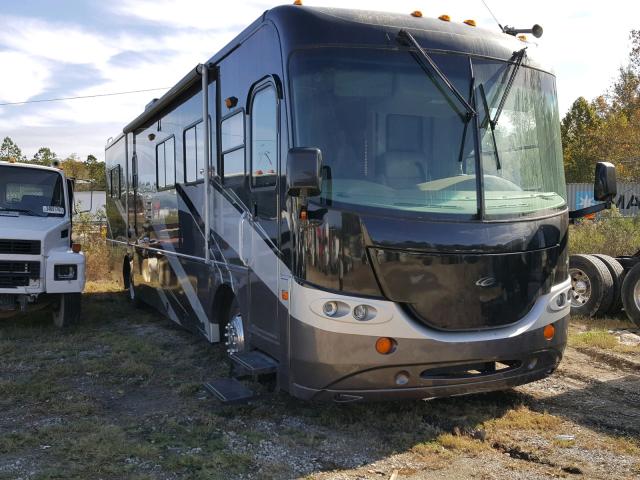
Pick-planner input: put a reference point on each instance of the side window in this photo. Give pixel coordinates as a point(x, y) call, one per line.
point(264, 138)
point(193, 153)
point(166, 163)
point(232, 133)
point(115, 182)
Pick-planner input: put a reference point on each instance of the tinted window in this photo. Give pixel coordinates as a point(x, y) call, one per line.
point(233, 132)
point(166, 163)
point(264, 138)
point(194, 153)
point(233, 163)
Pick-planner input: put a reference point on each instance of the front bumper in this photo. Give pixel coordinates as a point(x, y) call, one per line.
point(346, 368)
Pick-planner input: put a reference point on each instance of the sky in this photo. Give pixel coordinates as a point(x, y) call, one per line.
point(52, 49)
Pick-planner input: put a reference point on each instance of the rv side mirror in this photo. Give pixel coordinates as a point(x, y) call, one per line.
point(303, 171)
point(604, 185)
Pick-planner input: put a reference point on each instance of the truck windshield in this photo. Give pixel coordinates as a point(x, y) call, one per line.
point(31, 191)
point(392, 138)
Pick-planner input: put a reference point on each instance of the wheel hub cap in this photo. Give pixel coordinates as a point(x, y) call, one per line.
point(580, 287)
point(234, 335)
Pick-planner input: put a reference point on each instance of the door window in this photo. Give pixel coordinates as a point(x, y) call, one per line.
point(264, 138)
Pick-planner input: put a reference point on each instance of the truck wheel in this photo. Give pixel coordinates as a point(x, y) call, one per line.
point(591, 286)
point(67, 311)
point(617, 274)
point(631, 294)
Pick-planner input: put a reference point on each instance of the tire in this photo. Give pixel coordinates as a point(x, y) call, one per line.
point(631, 294)
point(591, 286)
point(235, 332)
point(617, 274)
point(67, 310)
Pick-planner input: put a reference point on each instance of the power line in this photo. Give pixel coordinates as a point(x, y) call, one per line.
point(81, 97)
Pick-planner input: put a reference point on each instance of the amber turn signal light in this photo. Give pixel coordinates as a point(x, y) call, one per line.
point(76, 247)
point(385, 345)
point(549, 331)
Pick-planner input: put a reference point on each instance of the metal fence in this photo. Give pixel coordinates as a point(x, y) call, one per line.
point(627, 200)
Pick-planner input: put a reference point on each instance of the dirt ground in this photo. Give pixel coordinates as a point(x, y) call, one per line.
point(120, 396)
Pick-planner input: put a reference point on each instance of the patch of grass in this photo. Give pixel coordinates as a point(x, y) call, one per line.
point(461, 443)
point(624, 445)
point(594, 338)
point(612, 234)
point(521, 418)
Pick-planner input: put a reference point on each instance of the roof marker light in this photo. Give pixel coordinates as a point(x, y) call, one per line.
point(297, 2)
point(416, 13)
point(445, 18)
point(471, 23)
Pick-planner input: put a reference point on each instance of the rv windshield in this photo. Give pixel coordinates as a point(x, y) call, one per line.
point(392, 138)
point(31, 191)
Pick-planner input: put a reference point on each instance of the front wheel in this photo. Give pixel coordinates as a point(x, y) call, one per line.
point(67, 310)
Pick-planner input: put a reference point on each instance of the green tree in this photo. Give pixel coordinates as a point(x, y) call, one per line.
point(9, 151)
point(95, 172)
point(44, 156)
point(579, 130)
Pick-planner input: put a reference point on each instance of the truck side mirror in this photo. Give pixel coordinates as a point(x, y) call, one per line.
point(303, 172)
point(604, 185)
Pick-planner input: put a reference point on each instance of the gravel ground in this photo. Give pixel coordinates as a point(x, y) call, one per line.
point(120, 396)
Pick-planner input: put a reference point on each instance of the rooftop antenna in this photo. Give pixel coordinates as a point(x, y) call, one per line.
point(536, 30)
point(494, 17)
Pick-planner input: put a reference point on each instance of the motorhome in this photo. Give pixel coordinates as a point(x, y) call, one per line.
point(370, 205)
point(39, 265)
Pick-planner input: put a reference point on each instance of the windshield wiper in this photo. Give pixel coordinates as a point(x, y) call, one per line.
point(429, 66)
point(492, 125)
point(520, 56)
point(20, 210)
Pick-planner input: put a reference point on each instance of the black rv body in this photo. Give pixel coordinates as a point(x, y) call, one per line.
point(459, 264)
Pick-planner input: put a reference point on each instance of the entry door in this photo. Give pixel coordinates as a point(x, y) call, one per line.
point(264, 184)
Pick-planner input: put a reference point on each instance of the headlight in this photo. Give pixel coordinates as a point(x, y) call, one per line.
point(360, 312)
point(330, 309)
point(65, 272)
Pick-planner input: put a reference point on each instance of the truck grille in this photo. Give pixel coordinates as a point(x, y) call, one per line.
point(20, 247)
point(17, 274)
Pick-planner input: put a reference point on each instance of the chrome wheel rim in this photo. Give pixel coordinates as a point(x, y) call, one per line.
point(580, 287)
point(234, 335)
point(636, 295)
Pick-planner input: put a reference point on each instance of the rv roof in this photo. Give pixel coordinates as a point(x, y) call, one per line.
point(299, 27)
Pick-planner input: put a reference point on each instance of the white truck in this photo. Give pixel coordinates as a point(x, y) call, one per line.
point(40, 267)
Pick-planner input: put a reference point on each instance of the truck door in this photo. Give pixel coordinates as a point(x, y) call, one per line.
point(264, 184)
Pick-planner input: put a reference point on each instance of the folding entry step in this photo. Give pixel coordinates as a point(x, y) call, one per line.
point(229, 390)
point(254, 363)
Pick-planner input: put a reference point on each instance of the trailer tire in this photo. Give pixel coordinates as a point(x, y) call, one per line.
point(591, 286)
point(631, 294)
point(617, 274)
point(67, 310)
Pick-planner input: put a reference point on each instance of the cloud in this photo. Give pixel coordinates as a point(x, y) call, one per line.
point(22, 77)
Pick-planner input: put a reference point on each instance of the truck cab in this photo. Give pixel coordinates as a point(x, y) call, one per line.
point(40, 267)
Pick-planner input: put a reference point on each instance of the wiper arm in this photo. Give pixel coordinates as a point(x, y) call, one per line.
point(492, 125)
point(429, 66)
point(20, 210)
point(520, 56)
